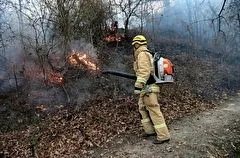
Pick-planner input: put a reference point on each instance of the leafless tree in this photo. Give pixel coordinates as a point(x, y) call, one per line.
point(35, 18)
point(234, 13)
point(128, 8)
point(74, 19)
point(56, 23)
point(5, 38)
point(220, 16)
point(1, 23)
point(145, 12)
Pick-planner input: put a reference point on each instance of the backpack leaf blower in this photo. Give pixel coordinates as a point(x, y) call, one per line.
point(163, 71)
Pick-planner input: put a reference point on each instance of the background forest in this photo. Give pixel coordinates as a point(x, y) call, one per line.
point(44, 98)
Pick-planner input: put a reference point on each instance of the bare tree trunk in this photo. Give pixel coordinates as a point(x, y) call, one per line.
point(20, 23)
point(238, 20)
point(220, 16)
point(33, 151)
point(153, 28)
point(64, 23)
point(16, 80)
point(2, 43)
point(129, 9)
point(126, 28)
point(141, 27)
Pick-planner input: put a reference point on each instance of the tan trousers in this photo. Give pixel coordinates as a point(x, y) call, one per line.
point(152, 117)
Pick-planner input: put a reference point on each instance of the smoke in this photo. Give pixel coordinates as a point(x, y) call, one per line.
point(184, 19)
point(192, 21)
point(21, 59)
point(83, 46)
point(3, 67)
point(24, 56)
point(9, 82)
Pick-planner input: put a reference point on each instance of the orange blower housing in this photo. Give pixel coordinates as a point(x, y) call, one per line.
point(163, 68)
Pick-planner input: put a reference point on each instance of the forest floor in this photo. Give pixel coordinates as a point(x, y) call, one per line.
point(212, 133)
point(107, 124)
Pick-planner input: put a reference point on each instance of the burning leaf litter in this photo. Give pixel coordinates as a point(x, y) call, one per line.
point(82, 59)
point(56, 78)
point(114, 38)
point(78, 59)
point(41, 108)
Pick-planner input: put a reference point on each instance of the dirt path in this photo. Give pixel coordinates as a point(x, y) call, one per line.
point(215, 133)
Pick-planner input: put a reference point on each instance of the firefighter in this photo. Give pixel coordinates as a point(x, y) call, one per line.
point(152, 121)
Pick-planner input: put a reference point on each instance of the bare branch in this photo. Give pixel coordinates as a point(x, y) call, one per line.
point(128, 7)
point(220, 16)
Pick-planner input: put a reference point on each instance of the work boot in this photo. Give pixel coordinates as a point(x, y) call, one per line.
point(149, 135)
point(156, 141)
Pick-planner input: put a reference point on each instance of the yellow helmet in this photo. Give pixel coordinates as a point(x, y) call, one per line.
point(139, 39)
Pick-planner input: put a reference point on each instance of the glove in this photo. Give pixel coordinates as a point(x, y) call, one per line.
point(137, 90)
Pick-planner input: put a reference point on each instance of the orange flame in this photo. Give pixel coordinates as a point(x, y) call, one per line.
point(114, 38)
point(81, 59)
point(35, 72)
point(41, 108)
point(110, 38)
point(56, 78)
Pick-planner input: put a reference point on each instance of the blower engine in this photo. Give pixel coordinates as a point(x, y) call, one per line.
point(163, 69)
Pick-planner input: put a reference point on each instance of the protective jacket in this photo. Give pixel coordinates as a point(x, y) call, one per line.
point(143, 66)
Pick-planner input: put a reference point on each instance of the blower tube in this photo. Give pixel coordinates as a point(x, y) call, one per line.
point(120, 74)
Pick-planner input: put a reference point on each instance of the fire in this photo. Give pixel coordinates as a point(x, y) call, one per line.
point(41, 108)
point(35, 72)
point(110, 38)
point(56, 78)
point(81, 59)
point(114, 38)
